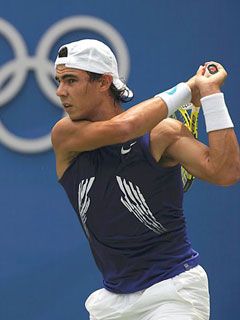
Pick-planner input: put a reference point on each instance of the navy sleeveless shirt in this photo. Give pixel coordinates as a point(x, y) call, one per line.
point(131, 211)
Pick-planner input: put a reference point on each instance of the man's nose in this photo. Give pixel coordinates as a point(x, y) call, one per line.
point(61, 91)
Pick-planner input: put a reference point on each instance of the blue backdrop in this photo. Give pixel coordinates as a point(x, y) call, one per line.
point(46, 270)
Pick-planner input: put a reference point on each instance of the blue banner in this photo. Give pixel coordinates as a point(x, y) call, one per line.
point(47, 271)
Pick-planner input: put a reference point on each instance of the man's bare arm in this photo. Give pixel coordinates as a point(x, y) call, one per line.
point(218, 163)
point(86, 135)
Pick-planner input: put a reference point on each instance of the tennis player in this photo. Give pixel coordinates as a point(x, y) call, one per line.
point(121, 172)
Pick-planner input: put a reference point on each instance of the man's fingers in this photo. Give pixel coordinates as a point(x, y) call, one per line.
point(201, 70)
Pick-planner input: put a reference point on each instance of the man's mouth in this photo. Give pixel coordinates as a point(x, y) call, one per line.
point(67, 105)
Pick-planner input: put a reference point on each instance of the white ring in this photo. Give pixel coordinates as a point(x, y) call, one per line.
point(14, 67)
point(44, 69)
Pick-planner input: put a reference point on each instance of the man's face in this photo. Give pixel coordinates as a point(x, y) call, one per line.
point(79, 95)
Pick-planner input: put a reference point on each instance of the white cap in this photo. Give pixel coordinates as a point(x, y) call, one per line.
point(94, 56)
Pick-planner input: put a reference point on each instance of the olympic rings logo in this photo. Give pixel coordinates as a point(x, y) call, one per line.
point(18, 68)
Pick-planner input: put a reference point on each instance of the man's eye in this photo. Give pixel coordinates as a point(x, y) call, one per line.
point(71, 81)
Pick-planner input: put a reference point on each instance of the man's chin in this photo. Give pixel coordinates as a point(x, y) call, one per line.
point(76, 118)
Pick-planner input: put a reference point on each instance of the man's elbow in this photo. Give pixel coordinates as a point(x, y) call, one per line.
point(229, 177)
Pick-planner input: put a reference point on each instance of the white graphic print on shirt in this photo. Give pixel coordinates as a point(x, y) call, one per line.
point(135, 202)
point(83, 199)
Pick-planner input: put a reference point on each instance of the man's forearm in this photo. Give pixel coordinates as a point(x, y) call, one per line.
point(146, 115)
point(143, 117)
point(224, 156)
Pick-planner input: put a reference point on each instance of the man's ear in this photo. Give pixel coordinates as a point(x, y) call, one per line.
point(105, 82)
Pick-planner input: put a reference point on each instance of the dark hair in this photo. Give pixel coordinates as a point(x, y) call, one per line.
point(115, 93)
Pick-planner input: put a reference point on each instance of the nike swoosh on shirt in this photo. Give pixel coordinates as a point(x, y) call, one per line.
point(124, 151)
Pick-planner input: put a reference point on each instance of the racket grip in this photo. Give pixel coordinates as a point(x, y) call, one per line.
point(212, 68)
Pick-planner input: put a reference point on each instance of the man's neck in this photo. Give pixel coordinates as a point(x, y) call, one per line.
point(107, 111)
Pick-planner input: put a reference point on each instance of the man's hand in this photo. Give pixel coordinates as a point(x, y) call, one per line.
point(208, 83)
point(195, 91)
point(204, 83)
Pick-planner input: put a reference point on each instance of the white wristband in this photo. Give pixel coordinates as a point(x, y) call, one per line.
point(215, 112)
point(176, 97)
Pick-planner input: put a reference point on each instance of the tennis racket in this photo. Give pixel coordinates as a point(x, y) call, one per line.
point(188, 114)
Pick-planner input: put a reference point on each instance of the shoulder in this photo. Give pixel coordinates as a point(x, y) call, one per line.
point(60, 135)
point(169, 126)
point(169, 130)
point(58, 129)
point(166, 133)
point(63, 130)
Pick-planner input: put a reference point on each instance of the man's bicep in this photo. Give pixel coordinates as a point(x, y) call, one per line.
point(191, 154)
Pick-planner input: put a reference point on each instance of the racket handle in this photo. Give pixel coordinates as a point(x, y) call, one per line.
point(212, 68)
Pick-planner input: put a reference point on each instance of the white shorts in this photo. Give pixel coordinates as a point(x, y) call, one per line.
point(184, 297)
